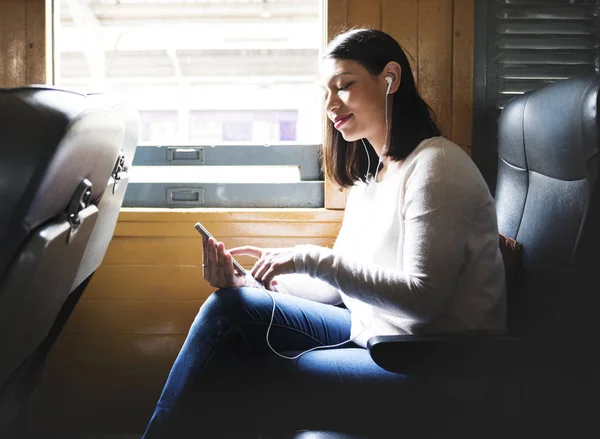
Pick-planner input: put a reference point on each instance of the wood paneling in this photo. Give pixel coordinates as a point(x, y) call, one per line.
point(335, 196)
point(13, 36)
point(222, 230)
point(148, 282)
point(188, 251)
point(336, 21)
point(22, 42)
point(124, 316)
point(400, 20)
point(435, 59)
point(363, 13)
point(36, 41)
point(462, 79)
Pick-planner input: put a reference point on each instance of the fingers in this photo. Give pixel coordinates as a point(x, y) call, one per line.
point(228, 270)
point(268, 277)
point(225, 271)
point(247, 250)
point(220, 262)
point(273, 263)
point(258, 268)
point(212, 262)
point(265, 269)
point(219, 270)
point(204, 257)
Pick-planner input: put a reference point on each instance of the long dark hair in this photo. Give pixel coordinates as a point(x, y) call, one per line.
point(412, 119)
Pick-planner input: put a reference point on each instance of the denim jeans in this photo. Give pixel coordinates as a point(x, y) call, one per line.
point(226, 380)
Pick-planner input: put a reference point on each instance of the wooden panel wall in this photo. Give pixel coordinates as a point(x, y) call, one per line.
point(438, 36)
point(22, 42)
point(462, 73)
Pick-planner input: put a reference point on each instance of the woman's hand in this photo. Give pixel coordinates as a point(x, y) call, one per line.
point(271, 262)
point(218, 267)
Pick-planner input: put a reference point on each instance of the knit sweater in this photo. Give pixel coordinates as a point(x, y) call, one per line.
point(417, 253)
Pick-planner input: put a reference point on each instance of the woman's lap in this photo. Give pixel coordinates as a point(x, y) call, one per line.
point(226, 354)
point(226, 382)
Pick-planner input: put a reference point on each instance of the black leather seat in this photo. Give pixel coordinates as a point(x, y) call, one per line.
point(548, 199)
point(63, 163)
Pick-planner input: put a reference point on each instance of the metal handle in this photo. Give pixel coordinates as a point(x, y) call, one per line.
point(187, 196)
point(193, 155)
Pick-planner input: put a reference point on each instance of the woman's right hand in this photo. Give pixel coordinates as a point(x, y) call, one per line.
point(271, 262)
point(218, 265)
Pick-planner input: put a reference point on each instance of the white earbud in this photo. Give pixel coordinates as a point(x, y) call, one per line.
point(389, 80)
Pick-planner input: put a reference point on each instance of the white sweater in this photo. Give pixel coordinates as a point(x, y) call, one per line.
point(417, 252)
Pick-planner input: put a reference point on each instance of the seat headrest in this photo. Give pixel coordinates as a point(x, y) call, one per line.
point(51, 140)
point(130, 117)
point(553, 140)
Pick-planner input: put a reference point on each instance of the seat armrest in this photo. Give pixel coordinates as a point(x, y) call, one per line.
point(444, 355)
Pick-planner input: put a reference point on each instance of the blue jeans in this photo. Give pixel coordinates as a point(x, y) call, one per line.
point(226, 380)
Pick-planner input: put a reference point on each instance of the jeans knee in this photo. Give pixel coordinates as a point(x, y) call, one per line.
point(234, 304)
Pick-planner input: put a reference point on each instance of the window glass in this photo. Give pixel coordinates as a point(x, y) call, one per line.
point(201, 72)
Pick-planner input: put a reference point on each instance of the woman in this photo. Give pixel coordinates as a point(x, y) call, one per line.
point(417, 252)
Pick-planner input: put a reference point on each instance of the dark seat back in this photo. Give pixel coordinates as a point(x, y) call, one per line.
point(58, 152)
point(546, 196)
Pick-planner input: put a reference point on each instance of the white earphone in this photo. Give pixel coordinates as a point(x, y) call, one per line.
point(389, 80)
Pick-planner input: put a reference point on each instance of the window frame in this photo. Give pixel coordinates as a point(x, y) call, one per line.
point(309, 192)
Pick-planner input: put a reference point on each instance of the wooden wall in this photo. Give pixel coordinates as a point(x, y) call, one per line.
point(108, 367)
point(23, 42)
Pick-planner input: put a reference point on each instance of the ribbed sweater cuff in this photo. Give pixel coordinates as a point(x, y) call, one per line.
point(311, 259)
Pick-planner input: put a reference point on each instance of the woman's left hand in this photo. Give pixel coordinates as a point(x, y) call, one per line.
point(271, 262)
point(218, 265)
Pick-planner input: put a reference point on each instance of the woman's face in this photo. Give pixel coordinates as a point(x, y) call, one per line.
point(354, 100)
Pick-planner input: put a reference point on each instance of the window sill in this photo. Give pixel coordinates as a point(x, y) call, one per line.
point(129, 214)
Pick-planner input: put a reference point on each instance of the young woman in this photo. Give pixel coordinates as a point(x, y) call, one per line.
point(417, 253)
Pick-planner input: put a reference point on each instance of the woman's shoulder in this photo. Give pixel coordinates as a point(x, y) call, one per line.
point(436, 148)
point(440, 159)
point(438, 154)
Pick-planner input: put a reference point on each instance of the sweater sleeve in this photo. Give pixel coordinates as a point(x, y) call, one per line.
point(436, 211)
point(301, 285)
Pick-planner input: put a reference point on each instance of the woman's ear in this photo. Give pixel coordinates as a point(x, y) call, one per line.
point(394, 71)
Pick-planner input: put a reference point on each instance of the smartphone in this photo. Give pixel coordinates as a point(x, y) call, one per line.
point(202, 230)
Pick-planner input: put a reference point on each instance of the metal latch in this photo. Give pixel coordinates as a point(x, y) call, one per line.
point(116, 172)
point(81, 199)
